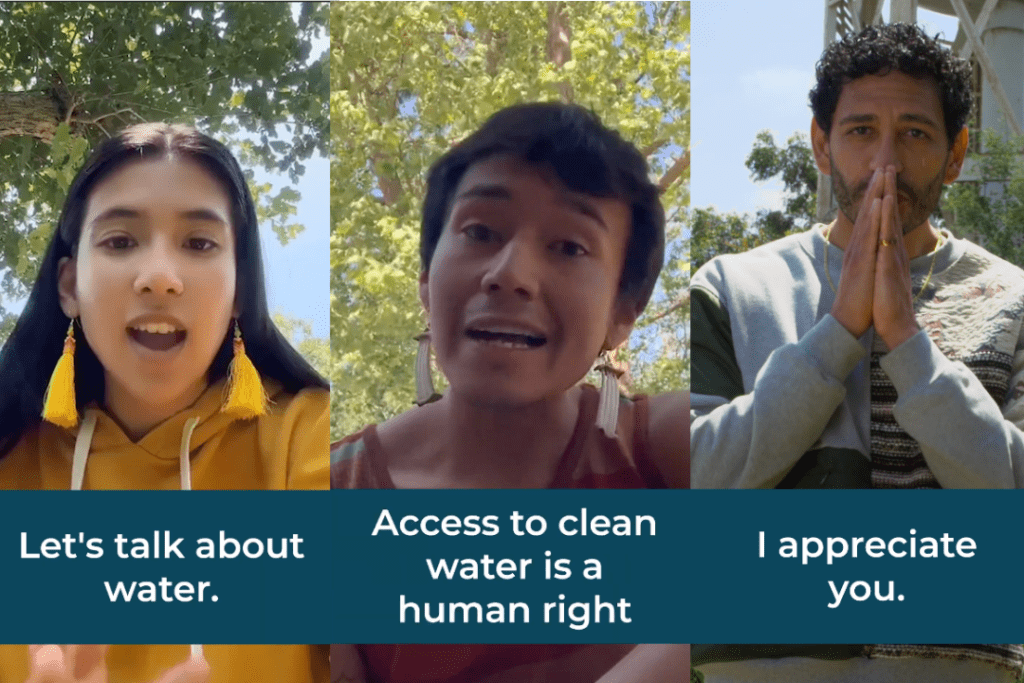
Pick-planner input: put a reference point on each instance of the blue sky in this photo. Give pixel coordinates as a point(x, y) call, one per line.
point(298, 273)
point(752, 65)
point(298, 277)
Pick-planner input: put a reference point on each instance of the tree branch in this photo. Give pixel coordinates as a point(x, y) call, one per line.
point(675, 306)
point(654, 146)
point(674, 172)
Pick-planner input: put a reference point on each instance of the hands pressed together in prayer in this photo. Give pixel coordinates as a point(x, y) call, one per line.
point(87, 664)
point(875, 287)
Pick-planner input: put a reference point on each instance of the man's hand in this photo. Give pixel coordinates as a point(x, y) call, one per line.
point(853, 305)
point(893, 302)
point(87, 664)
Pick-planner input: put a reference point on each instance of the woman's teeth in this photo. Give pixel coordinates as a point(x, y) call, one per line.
point(157, 336)
point(156, 328)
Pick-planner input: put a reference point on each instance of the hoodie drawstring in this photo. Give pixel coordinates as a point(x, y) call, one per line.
point(82, 443)
point(183, 455)
point(84, 440)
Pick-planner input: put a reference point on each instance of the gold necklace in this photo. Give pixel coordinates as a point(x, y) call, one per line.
point(935, 254)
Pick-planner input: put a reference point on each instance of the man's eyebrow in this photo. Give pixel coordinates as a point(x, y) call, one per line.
point(869, 118)
point(486, 191)
point(920, 118)
point(857, 118)
point(584, 207)
point(496, 191)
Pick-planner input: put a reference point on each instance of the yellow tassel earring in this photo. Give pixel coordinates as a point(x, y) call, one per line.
point(59, 406)
point(245, 395)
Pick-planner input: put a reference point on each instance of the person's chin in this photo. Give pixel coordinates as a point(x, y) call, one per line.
point(496, 394)
point(160, 393)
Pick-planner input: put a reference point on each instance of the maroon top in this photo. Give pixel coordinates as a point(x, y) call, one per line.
point(590, 461)
point(489, 663)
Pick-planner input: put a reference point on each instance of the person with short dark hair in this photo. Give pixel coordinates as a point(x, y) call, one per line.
point(874, 352)
point(542, 239)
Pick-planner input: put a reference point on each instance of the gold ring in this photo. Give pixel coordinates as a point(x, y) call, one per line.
point(886, 243)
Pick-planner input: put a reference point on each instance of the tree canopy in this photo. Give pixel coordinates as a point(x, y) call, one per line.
point(988, 209)
point(714, 233)
point(409, 80)
point(73, 73)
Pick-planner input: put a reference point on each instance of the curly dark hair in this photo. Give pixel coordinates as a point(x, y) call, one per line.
point(879, 50)
point(587, 157)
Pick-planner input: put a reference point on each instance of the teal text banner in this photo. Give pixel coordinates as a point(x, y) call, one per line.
point(342, 566)
point(511, 566)
point(870, 566)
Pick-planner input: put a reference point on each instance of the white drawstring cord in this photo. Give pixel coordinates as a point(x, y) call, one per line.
point(84, 440)
point(183, 455)
point(82, 443)
point(186, 485)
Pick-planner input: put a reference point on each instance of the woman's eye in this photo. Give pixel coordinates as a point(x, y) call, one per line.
point(480, 233)
point(118, 242)
point(569, 248)
point(201, 244)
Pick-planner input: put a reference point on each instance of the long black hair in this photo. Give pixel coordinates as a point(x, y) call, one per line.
point(32, 350)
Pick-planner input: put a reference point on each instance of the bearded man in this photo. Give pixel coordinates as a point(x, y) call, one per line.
point(877, 351)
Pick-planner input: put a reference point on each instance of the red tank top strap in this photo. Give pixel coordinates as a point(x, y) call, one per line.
point(645, 465)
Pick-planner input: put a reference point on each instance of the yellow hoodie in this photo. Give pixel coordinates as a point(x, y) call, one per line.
point(228, 663)
point(285, 449)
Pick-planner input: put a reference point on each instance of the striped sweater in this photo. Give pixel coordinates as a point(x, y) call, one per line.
point(785, 396)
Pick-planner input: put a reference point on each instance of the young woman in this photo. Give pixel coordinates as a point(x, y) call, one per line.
point(143, 360)
point(542, 239)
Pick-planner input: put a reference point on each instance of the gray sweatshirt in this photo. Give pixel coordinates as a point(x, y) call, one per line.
point(782, 392)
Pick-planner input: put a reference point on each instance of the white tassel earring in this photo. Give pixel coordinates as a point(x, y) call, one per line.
point(608, 403)
point(425, 392)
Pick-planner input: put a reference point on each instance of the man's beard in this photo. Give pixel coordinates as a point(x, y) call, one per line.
point(922, 203)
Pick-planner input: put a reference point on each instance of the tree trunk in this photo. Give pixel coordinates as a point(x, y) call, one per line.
point(32, 114)
point(390, 186)
point(560, 44)
point(674, 172)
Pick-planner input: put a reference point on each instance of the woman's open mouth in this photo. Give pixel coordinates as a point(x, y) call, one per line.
point(157, 336)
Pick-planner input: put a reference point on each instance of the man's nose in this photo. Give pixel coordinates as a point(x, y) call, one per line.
point(887, 154)
point(513, 269)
